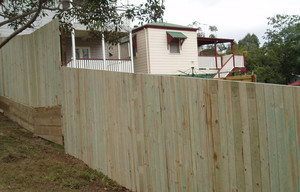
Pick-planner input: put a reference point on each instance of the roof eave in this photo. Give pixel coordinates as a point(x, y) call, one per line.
point(208, 40)
point(164, 27)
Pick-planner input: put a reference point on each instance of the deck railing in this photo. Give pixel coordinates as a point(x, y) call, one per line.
point(239, 61)
point(120, 65)
point(209, 62)
point(230, 64)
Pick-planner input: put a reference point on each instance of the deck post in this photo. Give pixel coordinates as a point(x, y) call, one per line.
point(131, 51)
point(233, 57)
point(216, 56)
point(73, 40)
point(119, 51)
point(73, 47)
point(103, 52)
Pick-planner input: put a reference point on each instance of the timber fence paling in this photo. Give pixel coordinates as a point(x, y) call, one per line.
point(162, 133)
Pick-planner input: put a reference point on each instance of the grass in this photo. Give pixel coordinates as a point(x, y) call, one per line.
point(28, 163)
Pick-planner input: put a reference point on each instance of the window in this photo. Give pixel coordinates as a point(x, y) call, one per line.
point(175, 41)
point(134, 51)
point(82, 52)
point(175, 46)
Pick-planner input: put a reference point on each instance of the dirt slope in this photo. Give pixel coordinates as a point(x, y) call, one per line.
point(28, 163)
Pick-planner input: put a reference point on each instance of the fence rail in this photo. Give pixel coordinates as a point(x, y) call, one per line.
point(159, 133)
point(100, 64)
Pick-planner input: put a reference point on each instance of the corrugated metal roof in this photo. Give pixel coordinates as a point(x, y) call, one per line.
point(167, 25)
point(164, 26)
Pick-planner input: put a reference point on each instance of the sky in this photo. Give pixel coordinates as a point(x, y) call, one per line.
point(233, 18)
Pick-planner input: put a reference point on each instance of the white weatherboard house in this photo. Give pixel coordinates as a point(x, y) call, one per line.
point(164, 48)
point(158, 48)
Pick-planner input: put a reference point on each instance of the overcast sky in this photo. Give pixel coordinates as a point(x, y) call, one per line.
point(233, 18)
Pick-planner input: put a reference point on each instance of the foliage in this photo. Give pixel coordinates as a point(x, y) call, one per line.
point(249, 46)
point(283, 44)
point(207, 49)
point(278, 60)
point(96, 15)
point(196, 24)
point(249, 43)
point(212, 29)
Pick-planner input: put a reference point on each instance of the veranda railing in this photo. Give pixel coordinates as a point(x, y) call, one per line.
point(120, 65)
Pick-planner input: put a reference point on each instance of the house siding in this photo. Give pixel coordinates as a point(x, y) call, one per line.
point(140, 61)
point(124, 51)
point(164, 62)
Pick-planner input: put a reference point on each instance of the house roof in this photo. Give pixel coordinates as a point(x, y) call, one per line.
point(207, 41)
point(161, 25)
point(127, 39)
point(295, 83)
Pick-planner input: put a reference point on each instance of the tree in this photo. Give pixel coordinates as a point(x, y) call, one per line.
point(200, 32)
point(249, 46)
point(278, 60)
point(197, 24)
point(283, 46)
point(248, 43)
point(96, 15)
point(213, 29)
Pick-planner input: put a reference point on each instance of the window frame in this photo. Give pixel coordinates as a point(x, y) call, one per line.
point(80, 48)
point(178, 36)
point(175, 42)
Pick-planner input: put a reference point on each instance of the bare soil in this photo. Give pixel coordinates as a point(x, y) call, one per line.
point(28, 163)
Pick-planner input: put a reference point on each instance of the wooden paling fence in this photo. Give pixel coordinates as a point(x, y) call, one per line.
point(161, 133)
point(31, 81)
point(30, 68)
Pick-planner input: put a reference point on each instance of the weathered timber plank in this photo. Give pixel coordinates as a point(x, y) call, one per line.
point(291, 139)
point(282, 146)
point(214, 135)
point(246, 136)
point(272, 138)
point(254, 137)
point(222, 170)
point(238, 136)
point(263, 137)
